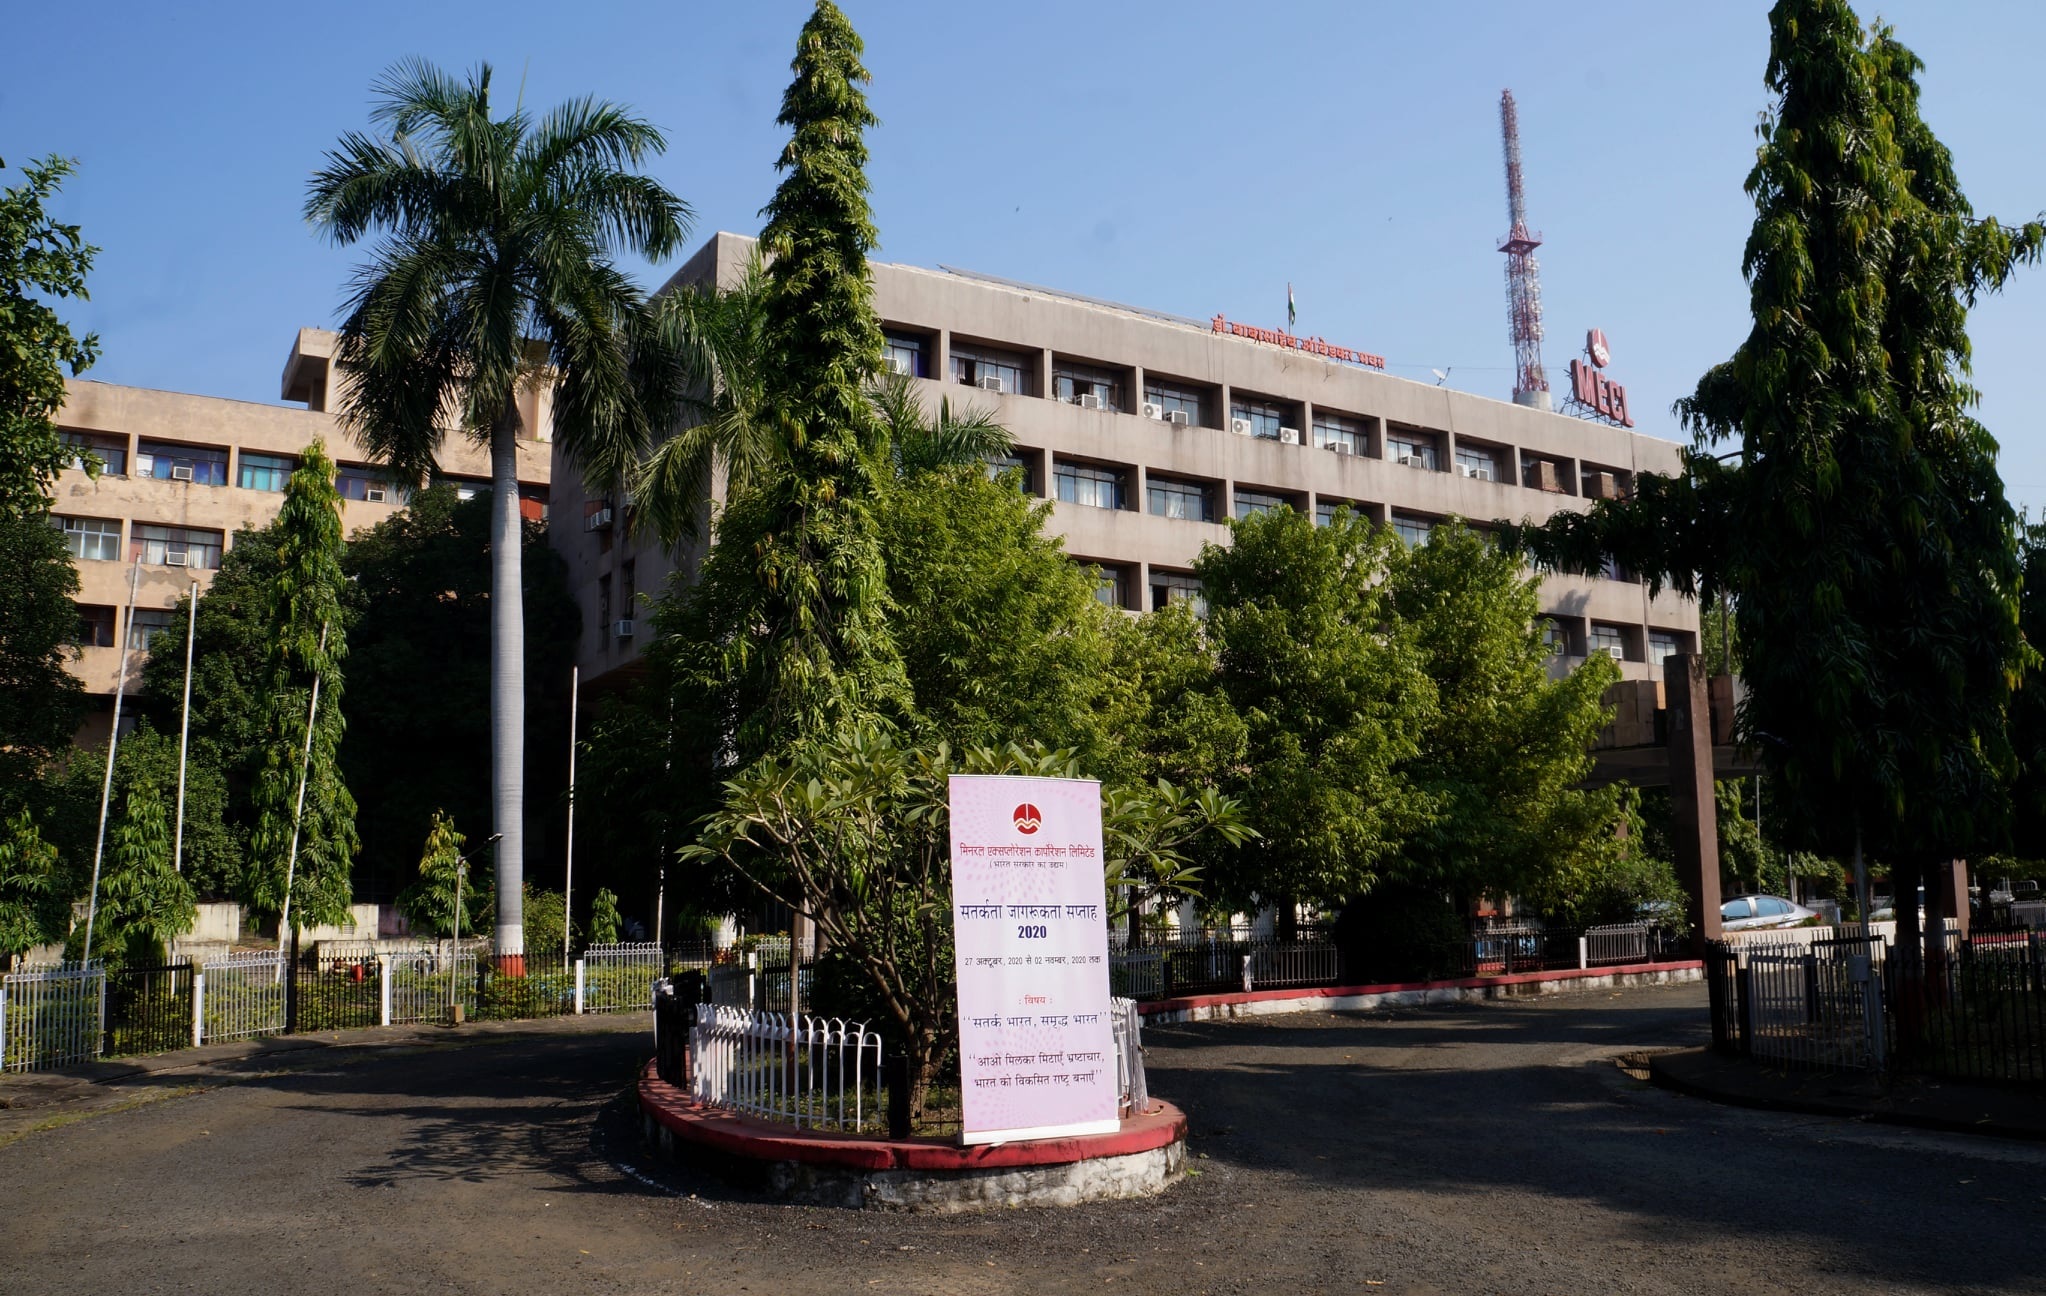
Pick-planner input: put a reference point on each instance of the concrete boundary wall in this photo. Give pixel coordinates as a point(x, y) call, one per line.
point(1416, 994)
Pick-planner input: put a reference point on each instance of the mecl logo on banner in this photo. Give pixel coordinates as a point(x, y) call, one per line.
point(1028, 819)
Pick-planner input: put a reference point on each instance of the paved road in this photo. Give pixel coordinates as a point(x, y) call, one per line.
point(1484, 1149)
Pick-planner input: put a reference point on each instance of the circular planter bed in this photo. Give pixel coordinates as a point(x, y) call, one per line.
point(819, 1167)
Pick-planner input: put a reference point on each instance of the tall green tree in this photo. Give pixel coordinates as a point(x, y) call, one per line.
point(41, 702)
point(216, 824)
point(1861, 529)
point(1333, 697)
point(431, 901)
point(301, 801)
point(40, 259)
point(495, 276)
point(823, 645)
point(1501, 754)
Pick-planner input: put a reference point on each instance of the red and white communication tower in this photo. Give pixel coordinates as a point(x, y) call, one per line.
point(1523, 273)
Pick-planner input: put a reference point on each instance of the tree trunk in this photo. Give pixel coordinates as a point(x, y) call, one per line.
point(1907, 950)
point(507, 691)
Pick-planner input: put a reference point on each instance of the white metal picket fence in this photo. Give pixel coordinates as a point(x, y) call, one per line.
point(1618, 943)
point(812, 1071)
point(614, 978)
point(52, 1016)
point(1129, 1057)
point(244, 995)
point(420, 984)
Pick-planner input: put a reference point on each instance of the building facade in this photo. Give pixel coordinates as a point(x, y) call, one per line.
point(1149, 431)
point(184, 473)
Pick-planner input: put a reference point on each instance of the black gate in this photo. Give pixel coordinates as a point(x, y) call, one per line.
point(149, 1009)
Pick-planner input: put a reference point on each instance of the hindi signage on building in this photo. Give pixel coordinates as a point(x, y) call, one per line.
point(1036, 1041)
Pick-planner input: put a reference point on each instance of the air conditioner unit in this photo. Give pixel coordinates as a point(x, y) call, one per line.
point(1154, 411)
point(1178, 418)
point(181, 472)
point(374, 494)
point(1289, 436)
point(1412, 460)
point(176, 558)
point(597, 521)
point(1089, 400)
point(627, 499)
point(1339, 447)
point(899, 364)
point(623, 629)
point(1482, 473)
point(1241, 427)
point(991, 382)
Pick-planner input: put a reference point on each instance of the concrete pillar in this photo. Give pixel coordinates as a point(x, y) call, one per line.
point(1043, 373)
point(941, 356)
point(1133, 399)
point(1693, 810)
point(1140, 597)
point(1374, 436)
point(1133, 484)
point(1226, 398)
point(1306, 425)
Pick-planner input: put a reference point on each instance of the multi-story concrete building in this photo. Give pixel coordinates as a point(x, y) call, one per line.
point(1149, 431)
point(184, 473)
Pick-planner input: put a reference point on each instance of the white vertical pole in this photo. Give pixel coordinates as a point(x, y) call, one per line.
point(305, 769)
point(575, 679)
point(198, 1009)
point(384, 992)
point(185, 730)
point(578, 987)
point(106, 790)
point(1583, 953)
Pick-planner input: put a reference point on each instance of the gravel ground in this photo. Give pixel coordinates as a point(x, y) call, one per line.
point(1490, 1148)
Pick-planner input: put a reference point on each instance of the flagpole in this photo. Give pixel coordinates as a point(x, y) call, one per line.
point(305, 769)
point(575, 678)
point(185, 731)
point(106, 790)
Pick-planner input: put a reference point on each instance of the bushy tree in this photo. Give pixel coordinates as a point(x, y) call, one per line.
point(605, 923)
point(35, 907)
point(41, 702)
point(216, 837)
point(40, 258)
point(418, 705)
point(1333, 698)
point(1502, 753)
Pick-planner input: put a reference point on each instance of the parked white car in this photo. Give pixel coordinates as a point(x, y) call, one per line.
point(1754, 912)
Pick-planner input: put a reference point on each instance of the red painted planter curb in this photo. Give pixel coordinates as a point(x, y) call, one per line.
point(1407, 987)
point(760, 1140)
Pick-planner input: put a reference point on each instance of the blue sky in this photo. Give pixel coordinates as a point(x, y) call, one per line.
point(1191, 157)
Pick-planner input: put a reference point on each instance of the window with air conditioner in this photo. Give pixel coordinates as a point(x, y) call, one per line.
point(356, 481)
point(1264, 419)
point(1088, 386)
point(1414, 449)
point(1339, 433)
point(1477, 462)
point(1180, 403)
point(1609, 639)
point(374, 495)
point(991, 371)
point(176, 461)
point(905, 353)
point(168, 546)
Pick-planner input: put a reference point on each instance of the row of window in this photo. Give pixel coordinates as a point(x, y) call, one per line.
point(96, 626)
point(99, 540)
point(1014, 373)
point(206, 466)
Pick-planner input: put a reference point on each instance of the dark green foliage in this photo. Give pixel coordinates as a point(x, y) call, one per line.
point(1007, 642)
point(821, 648)
point(39, 259)
point(1500, 754)
point(34, 905)
point(41, 703)
point(1401, 933)
point(1332, 703)
point(604, 920)
point(304, 826)
point(1862, 533)
point(144, 905)
point(419, 678)
point(430, 903)
point(216, 837)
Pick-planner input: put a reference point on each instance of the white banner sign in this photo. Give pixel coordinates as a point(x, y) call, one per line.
point(1036, 1042)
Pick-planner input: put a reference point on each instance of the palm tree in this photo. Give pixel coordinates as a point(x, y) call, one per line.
point(494, 276)
point(918, 443)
